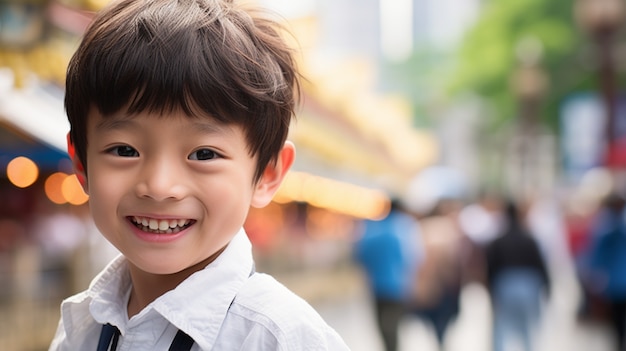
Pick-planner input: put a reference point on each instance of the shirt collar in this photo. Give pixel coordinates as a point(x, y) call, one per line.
point(197, 306)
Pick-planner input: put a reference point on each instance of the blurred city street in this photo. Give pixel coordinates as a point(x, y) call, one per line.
point(352, 316)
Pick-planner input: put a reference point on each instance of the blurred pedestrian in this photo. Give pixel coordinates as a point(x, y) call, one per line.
point(388, 252)
point(517, 279)
point(437, 289)
point(606, 275)
point(481, 221)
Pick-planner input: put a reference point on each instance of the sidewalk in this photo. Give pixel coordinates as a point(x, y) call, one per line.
point(352, 316)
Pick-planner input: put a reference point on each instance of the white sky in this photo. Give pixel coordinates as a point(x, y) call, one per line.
point(447, 20)
point(290, 8)
point(396, 22)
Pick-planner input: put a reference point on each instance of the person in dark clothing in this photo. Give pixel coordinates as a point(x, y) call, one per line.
point(517, 278)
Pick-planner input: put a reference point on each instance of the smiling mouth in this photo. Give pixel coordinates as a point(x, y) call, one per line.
point(161, 226)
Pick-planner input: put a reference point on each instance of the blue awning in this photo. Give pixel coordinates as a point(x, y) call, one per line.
point(32, 124)
point(14, 143)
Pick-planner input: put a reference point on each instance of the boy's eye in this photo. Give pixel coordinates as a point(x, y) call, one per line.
point(203, 155)
point(124, 151)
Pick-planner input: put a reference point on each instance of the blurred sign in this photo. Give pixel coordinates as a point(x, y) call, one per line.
point(616, 157)
point(584, 137)
point(583, 119)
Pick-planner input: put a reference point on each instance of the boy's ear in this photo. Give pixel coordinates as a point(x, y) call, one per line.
point(78, 166)
point(273, 176)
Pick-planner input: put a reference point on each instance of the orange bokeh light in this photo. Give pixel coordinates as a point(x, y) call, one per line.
point(72, 191)
point(22, 172)
point(52, 187)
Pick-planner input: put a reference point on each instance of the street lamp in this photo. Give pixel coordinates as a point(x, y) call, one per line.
point(602, 19)
point(529, 83)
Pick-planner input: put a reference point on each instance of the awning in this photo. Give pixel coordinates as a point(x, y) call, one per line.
point(36, 110)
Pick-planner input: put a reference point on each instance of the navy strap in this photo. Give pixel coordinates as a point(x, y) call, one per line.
point(110, 336)
point(181, 342)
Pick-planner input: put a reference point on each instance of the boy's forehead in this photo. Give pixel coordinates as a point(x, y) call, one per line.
point(204, 123)
point(125, 114)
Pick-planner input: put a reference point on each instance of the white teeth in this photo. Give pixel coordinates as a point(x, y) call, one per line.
point(161, 225)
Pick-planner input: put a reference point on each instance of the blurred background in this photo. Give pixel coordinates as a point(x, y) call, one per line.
point(449, 107)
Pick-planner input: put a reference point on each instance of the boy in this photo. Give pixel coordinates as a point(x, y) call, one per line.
point(179, 113)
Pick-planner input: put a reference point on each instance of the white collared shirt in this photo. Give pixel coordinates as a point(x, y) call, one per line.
point(221, 307)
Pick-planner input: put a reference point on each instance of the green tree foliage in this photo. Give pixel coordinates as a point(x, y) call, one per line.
point(487, 58)
point(421, 79)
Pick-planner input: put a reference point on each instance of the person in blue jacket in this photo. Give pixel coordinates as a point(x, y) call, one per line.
point(388, 252)
point(606, 274)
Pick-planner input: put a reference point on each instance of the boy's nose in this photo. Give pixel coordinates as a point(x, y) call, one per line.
point(161, 180)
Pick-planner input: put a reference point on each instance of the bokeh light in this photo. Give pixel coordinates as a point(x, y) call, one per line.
point(52, 187)
point(333, 195)
point(73, 191)
point(22, 172)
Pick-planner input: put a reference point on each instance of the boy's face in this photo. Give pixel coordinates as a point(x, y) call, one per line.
point(171, 191)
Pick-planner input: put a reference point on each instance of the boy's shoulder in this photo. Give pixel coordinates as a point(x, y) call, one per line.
point(263, 294)
point(267, 315)
point(267, 304)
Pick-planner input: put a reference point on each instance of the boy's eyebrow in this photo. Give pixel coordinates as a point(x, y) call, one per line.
point(124, 121)
point(114, 122)
point(210, 128)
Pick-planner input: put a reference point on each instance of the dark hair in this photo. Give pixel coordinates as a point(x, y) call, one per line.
point(203, 57)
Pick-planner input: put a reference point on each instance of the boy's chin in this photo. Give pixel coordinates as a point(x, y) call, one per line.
point(166, 267)
point(161, 266)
